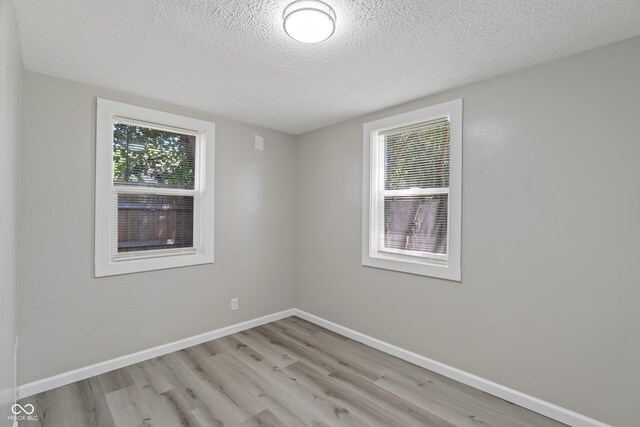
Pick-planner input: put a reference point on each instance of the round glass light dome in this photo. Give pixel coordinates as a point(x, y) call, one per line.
point(309, 21)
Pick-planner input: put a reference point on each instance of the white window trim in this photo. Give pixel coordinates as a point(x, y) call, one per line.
point(403, 261)
point(106, 264)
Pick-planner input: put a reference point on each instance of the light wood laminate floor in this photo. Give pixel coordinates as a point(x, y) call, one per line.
point(286, 373)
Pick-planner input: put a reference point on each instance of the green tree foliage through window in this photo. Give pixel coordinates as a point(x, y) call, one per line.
point(146, 156)
point(418, 158)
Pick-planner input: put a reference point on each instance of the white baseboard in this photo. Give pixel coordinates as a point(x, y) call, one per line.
point(534, 404)
point(65, 378)
point(547, 409)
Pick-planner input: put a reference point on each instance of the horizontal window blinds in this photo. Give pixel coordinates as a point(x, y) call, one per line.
point(145, 156)
point(154, 176)
point(416, 187)
point(416, 223)
point(417, 157)
point(152, 221)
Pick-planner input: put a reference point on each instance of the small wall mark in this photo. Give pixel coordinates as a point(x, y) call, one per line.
point(259, 143)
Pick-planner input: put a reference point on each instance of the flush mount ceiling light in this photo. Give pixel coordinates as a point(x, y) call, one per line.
point(309, 21)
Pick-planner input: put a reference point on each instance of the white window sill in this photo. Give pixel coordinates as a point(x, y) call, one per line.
point(413, 265)
point(125, 266)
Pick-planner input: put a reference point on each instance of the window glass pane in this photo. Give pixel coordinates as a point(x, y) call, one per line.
point(143, 156)
point(417, 157)
point(416, 223)
point(151, 221)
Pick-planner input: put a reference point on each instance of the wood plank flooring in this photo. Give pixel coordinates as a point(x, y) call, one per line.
point(287, 373)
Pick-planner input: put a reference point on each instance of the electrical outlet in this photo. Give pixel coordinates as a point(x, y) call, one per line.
point(234, 304)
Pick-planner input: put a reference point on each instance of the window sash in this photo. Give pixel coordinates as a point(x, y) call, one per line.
point(165, 128)
point(156, 126)
point(417, 125)
point(414, 192)
point(378, 234)
point(403, 253)
point(377, 231)
point(129, 189)
point(142, 189)
point(152, 253)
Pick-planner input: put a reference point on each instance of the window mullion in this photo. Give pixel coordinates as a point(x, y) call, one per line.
point(416, 192)
point(130, 189)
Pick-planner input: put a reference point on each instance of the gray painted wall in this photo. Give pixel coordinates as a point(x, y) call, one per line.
point(548, 303)
point(69, 319)
point(10, 88)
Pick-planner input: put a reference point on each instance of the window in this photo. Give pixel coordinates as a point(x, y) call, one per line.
point(412, 191)
point(154, 189)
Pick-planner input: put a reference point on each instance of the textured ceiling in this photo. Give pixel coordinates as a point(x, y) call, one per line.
point(232, 58)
